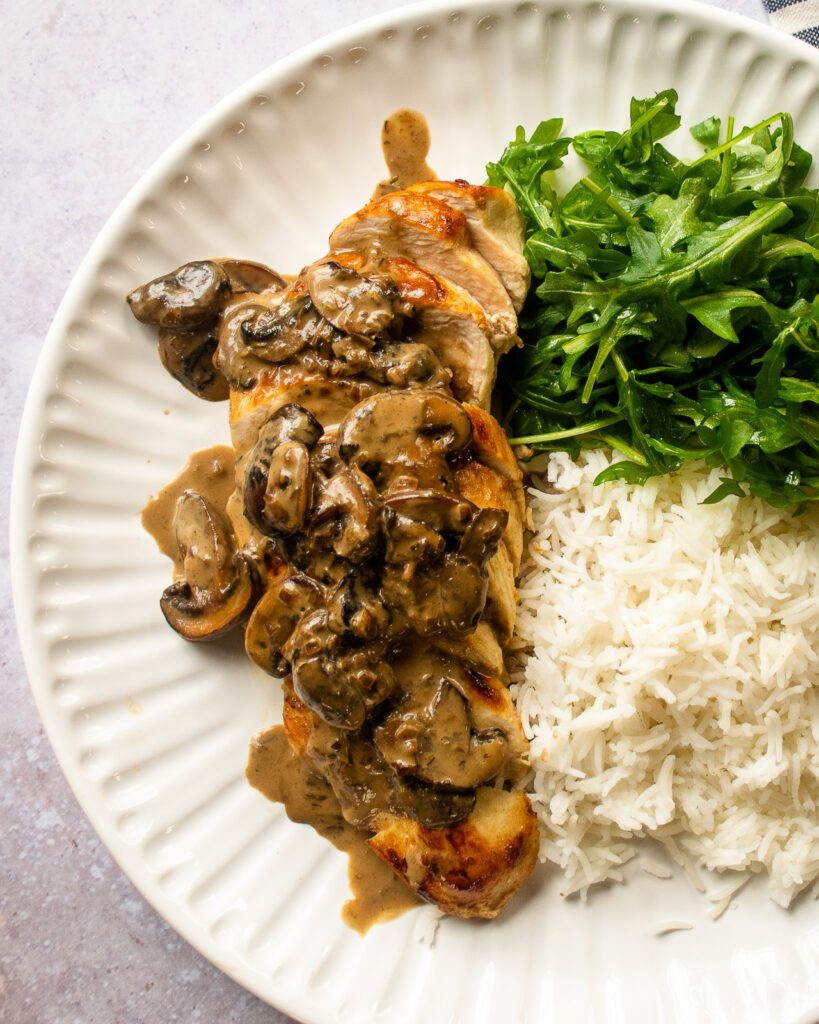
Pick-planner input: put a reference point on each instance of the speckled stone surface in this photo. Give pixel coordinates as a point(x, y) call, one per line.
point(91, 93)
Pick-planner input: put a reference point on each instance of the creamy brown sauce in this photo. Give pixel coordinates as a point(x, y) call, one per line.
point(349, 557)
point(378, 894)
point(209, 472)
point(405, 144)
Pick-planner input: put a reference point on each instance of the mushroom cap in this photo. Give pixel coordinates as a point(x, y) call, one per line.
point(274, 618)
point(395, 426)
point(217, 587)
point(278, 482)
point(250, 276)
point(188, 297)
point(188, 358)
point(346, 513)
point(450, 728)
point(355, 303)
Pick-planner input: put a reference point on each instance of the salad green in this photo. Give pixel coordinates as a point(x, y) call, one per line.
point(674, 310)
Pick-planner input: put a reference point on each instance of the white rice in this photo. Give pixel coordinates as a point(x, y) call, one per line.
point(671, 689)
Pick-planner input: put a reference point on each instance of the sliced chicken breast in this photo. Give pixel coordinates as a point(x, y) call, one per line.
point(444, 317)
point(435, 236)
point(472, 869)
point(328, 400)
point(501, 595)
point(495, 226)
point(479, 649)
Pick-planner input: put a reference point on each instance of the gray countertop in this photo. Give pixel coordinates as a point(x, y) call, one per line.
point(92, 93)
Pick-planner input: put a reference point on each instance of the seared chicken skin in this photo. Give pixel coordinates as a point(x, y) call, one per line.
point(371, 545)
point(436, 237)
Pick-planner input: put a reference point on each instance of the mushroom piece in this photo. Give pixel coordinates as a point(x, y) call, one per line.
point(367, 789)
point(188, 358)
point(249, 276)
point(355, 609)
point(216, 587)
point(353, 302)
point(401, 363)
point(276, 333)
point(258, 331)
point(361, 781)
point(439, 589)
point(430, 736)
point(338, 680)
point(442, 512)
point(346, 514)
point(274, 618)
point(188, 297)
point(397, 428)
point(432, 806)
point(277, 486)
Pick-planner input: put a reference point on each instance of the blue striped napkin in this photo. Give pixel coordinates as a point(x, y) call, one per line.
point(799, 17)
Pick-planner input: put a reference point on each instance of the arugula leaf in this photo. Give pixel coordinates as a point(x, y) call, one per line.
point(674, 311)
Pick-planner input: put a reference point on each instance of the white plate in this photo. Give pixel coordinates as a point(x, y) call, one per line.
point(151, 731)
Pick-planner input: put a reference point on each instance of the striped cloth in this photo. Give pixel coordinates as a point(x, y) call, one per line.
point(799, 17)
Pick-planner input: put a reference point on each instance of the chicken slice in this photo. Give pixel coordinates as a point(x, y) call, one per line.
point(297, 719)
point(479, 649)
point(468, 870)
point(487, 488)
point(436, 237)
point(444, 317)
point(491, 709)
point(495, 226)
point(501, 596)
point(328, 400)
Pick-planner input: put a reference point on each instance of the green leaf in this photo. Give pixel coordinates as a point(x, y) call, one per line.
point(673, 313)
point(726, 488)
point(733, 435)
point(628, 472)
point(707, 132)
point(793, 390)
point(715, 310)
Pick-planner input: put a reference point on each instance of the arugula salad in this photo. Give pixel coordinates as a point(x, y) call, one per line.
point(674, 309)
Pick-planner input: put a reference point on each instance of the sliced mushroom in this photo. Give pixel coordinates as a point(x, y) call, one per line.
point(249, 276)
point(338, 680)
point(188, 358)
point(431, 734)
point(188, 297)
point(279, 333)
point(277, 487)
point(346, 514)
point(446, 730)
point(439, 591)
point(442, 512)
point(261, 331)
point(354, 608)
point(396, 428)
point(363, 784)
point(400, 364)
point(353, 302)
point(410, 543)
point(275, 617)
point(432, 806)
point(450, 754)
point(216, 588)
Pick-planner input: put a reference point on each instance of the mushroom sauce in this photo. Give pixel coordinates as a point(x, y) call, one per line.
point(272, 768)
point(211, 473)
point(363, 530)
